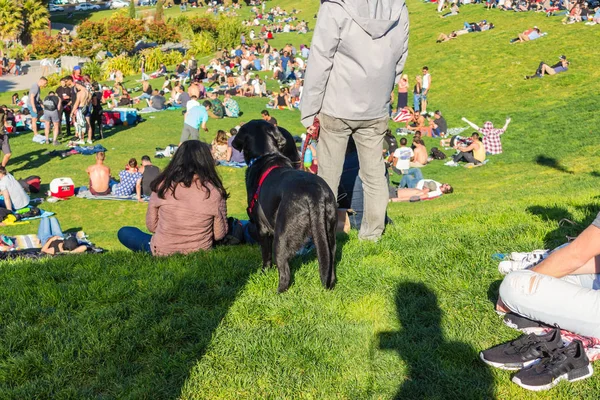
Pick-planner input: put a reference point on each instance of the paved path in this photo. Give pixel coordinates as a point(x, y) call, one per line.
point(10, 83)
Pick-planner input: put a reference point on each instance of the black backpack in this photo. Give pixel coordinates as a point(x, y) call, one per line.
point(49, 103)
point(437, 154)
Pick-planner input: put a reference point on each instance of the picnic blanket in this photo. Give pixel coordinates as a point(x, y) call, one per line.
point(86, 194)
point(43, 214)
point(19, 242)
point(29, 246)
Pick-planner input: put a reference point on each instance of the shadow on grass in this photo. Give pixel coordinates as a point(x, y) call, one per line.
point(126, 325)
point(566, 225)
point(552, 163)
point(436, 368)
point(494, 292)
point(32, 160)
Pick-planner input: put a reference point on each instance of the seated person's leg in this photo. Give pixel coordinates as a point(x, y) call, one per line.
point(571, 302)
point(134, 239)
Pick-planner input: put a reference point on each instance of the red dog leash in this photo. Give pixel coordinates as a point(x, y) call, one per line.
point(260, 183)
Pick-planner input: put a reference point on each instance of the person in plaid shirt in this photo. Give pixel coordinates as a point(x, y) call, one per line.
point(491, 136)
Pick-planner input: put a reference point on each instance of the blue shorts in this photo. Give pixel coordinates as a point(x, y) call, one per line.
point(34, 112)
point(423, 95)
point(558, 70)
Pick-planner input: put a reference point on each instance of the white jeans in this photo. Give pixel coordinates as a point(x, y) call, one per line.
point(572, 302)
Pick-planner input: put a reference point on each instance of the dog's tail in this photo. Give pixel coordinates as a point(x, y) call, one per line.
point(323, 220)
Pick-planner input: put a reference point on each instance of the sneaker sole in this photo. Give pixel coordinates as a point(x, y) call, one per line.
point(508, 367)
point(572, 376)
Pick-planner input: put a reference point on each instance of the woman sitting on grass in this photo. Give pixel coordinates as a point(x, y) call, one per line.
point(219, 146)
point(187, 211)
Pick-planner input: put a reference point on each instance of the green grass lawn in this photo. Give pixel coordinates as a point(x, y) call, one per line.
point(409, 314)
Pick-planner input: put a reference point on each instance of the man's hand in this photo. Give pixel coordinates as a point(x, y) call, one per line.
point(464, 119)
point(205, 129)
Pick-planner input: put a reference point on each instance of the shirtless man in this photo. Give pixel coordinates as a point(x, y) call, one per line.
point(425, 189)
point(420, 158)
point(81, 109)
point(99, 176)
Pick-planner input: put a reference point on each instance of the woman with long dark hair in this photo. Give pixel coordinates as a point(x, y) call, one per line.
point(187, 211)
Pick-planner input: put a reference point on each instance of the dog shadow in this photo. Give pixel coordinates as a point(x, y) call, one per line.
point(436, 368)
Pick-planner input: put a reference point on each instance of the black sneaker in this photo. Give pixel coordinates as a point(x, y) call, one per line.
point(519, 322)
point(568, 363)
point(522, 352)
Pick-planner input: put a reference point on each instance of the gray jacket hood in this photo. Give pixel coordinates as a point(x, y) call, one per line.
point(376, 17)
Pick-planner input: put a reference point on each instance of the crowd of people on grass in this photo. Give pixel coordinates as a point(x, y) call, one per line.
point(348, 144)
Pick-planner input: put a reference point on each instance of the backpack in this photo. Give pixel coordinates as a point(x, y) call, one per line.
point(49, 104)
point(437, 154)
point(31, 184)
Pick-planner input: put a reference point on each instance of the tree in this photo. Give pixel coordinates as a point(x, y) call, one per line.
point(35, 18)
point(132, 9)
point(10, 15)
point(160, 12)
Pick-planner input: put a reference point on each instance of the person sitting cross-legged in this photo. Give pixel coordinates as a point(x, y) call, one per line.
point(14, 196)
point(474, 153)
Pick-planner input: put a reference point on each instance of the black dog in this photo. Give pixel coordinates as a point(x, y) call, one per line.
point(287, 205)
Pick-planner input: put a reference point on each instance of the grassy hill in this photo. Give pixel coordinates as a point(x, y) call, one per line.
point(409, 314)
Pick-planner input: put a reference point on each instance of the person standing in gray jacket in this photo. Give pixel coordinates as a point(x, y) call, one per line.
point(357, 55)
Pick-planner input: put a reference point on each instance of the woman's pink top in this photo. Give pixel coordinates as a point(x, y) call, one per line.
point(188, 222)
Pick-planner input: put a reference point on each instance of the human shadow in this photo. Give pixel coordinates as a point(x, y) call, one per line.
point(566, 225)
point(32, 160)
point(436, 368)
point(552, 163)
point(133, 327)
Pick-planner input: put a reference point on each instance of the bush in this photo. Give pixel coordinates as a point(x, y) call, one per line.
point(155, 56)
point(203, 24)
point(123, 33)
point(127, 65)
point(161, 33)
point(91, 30)
point(54, 79)
point(202, 45)
point(94, 69)
point(44, 46)
point(229, 31)
point(83, 48)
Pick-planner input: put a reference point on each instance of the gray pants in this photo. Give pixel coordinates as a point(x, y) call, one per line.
point(368, 136)
point(572, 302)
point(189, 133)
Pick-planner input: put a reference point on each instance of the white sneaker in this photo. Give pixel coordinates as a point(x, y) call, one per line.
point(506, 267)
point(515, 256)
point(451, 164)
point(90, 142)
point(80, 141)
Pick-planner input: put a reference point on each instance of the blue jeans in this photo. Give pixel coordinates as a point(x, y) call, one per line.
point(417, 102)
point(134, 239)
point(411, 178)
point(49, 227)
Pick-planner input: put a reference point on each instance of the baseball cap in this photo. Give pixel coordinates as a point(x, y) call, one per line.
point(77, 68)
point(563, 57)
point(438, 112)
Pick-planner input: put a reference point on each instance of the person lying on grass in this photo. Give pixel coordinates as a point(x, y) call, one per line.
point(187, 211)
point(544, 69)
point(563, 289)
point(53, 240)
point(424, 189)
point(528, 35)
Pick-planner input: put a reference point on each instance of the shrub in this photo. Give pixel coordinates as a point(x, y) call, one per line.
point(203, 44)
point(54, 79)
point(203, 24)
point(127, 65)
point(229, 31)
point(83, 48)
point(91, 30)
point(123, 33)
point(94, 69)
point(161, 33)
point(45, 46)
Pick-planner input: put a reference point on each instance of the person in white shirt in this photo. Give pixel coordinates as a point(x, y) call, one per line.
point(14, 196)
point(424, 190)
point(402, 157)
point(425, 91)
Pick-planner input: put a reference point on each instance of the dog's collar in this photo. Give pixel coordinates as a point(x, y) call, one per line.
point(258, 158)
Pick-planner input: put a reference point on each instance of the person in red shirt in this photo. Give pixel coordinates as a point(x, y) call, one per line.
point(77, 77)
